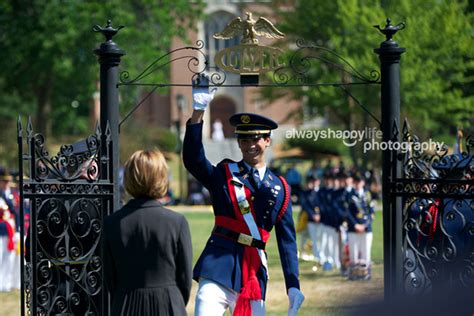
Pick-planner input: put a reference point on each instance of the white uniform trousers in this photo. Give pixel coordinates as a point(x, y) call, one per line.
point(325, 253)
point(336, 249)
point(304, 236)
point(213, 299)
point(330, 246)
point(16, 264)
point(315, 234)
point(360, 245)
point(7, 261)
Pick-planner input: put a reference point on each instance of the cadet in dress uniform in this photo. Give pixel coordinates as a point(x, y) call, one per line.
point(311, 205)
point(343, 199)
point(325, 207)
point(360, 217)
point(9, 237)
point(338, 216)
point(333, 222)
point(248, 201)
point(304, 253)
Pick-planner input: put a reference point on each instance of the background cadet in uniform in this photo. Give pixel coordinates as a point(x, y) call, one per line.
point(360, 217)
point(325, 200)
point(311, 204)
point(248, 202)
point(9, 234)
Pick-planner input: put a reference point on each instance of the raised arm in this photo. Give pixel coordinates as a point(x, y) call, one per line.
point(196, 117)
point(194, 157)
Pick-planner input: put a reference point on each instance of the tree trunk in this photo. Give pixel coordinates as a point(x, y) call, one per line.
point(43, 113)
point(365, 162)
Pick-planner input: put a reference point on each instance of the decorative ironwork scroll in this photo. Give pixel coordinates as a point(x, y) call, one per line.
point(195, 58)
point(300, 67)
point(437, 191)
point(289, 69)
point(294, 68)
point(67, 200)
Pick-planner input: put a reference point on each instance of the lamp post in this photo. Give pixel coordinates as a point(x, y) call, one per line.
point(181, 103)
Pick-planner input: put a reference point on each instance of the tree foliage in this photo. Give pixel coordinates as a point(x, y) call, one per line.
point(436, 70)
point(48, 62)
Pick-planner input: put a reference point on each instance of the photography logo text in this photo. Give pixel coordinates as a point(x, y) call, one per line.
point(370, 137)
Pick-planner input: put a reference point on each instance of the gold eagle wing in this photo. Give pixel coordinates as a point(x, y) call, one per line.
point(233, 29)
point(263, 27)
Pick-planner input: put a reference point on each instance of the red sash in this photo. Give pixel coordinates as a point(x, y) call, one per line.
point(10, 232)
point(251, 261)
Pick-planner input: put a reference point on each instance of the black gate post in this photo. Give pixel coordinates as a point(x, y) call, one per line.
point(109, 59)
point(389, 53)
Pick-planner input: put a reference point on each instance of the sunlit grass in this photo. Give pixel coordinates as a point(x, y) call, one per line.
point(326, 293)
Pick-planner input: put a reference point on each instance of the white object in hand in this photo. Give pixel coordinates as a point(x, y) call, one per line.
point(202, 97)
point(296, 298)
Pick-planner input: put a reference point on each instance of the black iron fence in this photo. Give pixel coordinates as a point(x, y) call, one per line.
point(67, 199)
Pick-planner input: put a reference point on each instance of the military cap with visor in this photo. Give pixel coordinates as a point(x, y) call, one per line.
point(5, 175)
point(250, 125)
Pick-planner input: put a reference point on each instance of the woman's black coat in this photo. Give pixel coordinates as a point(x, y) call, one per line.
point(148, 259)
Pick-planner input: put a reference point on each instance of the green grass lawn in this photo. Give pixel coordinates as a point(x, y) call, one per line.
point(326, 293)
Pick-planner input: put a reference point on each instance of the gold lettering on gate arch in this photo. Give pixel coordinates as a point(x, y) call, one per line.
point(249, 57)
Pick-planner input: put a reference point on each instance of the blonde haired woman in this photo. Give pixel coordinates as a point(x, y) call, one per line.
point(147, 248)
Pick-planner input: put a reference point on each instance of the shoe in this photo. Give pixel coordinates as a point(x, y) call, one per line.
point(368, 276)
point(306, 257)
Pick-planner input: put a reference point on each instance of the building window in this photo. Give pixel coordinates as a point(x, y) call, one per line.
point(216, 23)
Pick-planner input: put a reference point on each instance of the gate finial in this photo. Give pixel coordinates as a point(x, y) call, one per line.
point(19, 126)
point(390, 29)
point(108, 31)
point(29, 127)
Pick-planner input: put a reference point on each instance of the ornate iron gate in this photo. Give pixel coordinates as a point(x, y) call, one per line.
point(67, 195)
point(437, 204)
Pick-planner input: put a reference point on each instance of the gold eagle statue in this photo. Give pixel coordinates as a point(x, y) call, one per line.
point(249, 29)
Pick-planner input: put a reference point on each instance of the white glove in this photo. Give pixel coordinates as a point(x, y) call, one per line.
point(16, 237)
point(296, 298)
point(201, 95)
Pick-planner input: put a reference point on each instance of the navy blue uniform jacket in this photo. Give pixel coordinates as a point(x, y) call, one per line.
point(221, 258)
point(360, 211)
point(310, 203)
